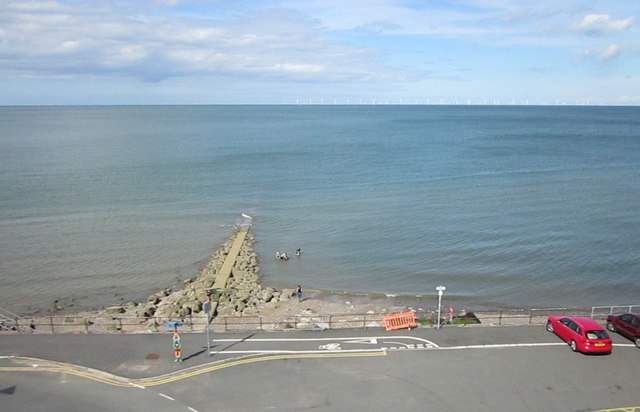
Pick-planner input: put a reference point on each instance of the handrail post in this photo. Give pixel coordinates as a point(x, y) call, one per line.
point(51, 322)
point(500, 319)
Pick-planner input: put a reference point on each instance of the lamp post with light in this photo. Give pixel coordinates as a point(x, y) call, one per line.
point(440, 290)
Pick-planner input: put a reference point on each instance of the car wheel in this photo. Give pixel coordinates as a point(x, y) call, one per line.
point(611, 327)
point(574, 345)
point(637, 342)
point(550, 326)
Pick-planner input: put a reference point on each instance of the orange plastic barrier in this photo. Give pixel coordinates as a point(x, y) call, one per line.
point(400, 321)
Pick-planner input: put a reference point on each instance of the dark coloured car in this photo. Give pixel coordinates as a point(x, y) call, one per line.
point(582, 334)
point(627, 325)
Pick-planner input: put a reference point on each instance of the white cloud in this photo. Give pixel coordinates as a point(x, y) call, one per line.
point(51, 38)
point(611, 52)
point(595, 24)
point(378, 27)
point(601, 57)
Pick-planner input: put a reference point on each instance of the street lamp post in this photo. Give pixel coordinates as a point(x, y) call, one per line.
point(440, 290)
point(207, 311)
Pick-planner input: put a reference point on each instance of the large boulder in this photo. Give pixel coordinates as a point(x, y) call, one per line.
point(194, 306)
point(115, 310)
point(168, 311)
point(146, 311)
point(267, 295)
point(287, 294)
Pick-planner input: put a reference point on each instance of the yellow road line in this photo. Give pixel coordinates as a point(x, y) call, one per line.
point(114, 380)
point(161, 380)
point(70, 371)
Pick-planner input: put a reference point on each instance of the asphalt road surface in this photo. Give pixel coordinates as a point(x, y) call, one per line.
point(452, 369)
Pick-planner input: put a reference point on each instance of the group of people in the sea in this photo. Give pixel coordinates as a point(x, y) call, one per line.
point(284, 256)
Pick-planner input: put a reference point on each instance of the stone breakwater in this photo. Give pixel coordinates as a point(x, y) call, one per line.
point(242, 294)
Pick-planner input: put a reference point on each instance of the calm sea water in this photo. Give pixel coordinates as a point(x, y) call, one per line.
point(506, 206)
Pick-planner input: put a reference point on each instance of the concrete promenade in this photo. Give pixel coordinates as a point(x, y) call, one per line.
point(225, 271)
point(452, 369)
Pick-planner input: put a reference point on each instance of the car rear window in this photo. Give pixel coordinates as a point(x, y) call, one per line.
point(597, 334)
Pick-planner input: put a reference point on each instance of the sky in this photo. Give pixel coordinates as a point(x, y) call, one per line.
point(319, 52)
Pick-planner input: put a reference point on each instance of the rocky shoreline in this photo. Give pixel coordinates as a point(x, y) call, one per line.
point(243, 294)
point(242, 297)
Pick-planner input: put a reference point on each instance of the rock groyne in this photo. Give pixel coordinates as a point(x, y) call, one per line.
point(241, 295)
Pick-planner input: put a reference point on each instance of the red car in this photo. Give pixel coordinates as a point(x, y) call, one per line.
point(582, 334)
point(627, 325)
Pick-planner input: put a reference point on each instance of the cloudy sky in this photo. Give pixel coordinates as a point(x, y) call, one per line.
point(319, 51)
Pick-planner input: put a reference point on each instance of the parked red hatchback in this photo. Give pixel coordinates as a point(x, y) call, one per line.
point(627, 325)
point(582, 334)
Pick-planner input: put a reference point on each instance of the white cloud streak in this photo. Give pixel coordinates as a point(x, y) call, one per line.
point(611, 52)
point(50, 37)
point(598, 24)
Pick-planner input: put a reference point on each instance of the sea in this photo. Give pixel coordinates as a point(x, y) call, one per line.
point(505, 206)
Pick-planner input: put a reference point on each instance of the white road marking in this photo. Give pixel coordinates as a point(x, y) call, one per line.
point(334, 344)
point(166, 396)
point(137, 386)
point(277, 352)
point(330, 347)
point(503, 345)
point(371, 341)
point(192, 410)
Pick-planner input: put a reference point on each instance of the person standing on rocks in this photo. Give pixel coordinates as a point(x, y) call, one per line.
point(299, 293)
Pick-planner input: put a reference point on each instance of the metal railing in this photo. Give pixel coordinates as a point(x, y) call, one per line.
point(197, 323)
point(601, 312)
point(194, 323)
point(516, 317)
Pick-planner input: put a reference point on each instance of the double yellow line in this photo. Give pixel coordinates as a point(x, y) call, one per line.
point(41, 365)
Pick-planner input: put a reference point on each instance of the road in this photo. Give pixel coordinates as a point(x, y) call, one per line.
point(452, 369)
